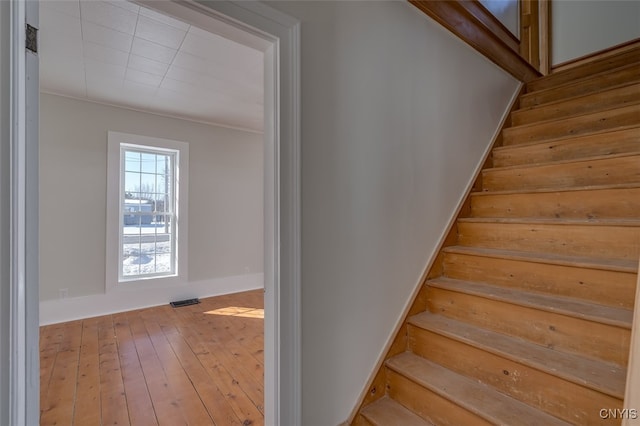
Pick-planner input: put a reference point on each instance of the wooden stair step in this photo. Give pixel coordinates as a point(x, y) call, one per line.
point(618, 317)
point(594, 83)
point(386, 412)
point(521, 314)
point(604, 377)
point(608, 239)
point(572, 126)
point(588, 202)
point(618, 265)
point(586, 279)
point(604, 99)
point(601, 170)
point(607, 142)
point(604, 65)
point(489, 405)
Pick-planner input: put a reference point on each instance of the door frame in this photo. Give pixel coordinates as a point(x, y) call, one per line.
point(280, 34)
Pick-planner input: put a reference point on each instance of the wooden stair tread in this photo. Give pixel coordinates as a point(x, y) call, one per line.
point(609, 65)
point(554, 221)
point(386, 411)
point(614, 97)
point(475, 397)
point(629, 106)
point(589, 84)
point(619, 265)
point(574, 125)
point(576, 308)
point(582, 96)
point(602, 376)
point(562, 189)
point(570, 161)
point(567, 138)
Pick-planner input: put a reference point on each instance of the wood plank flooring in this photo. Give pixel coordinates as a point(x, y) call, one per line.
point(194, 365)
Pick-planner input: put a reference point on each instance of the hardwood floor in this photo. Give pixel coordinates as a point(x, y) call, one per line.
point(194, 365)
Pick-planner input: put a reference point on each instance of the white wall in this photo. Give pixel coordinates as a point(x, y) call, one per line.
point(396, 114)
point(581, 27)
point(4, 211)
point(225, 196)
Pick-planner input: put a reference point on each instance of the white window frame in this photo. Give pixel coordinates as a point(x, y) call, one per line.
point(117, 142)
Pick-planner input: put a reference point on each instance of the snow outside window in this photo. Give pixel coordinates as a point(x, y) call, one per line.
point(147, 184)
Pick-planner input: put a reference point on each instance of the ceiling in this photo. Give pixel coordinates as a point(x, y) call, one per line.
point(119, 53)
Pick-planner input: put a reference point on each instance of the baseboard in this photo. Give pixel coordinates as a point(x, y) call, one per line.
point(55, 311)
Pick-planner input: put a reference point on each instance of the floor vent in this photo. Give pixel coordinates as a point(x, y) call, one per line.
point(185, 302)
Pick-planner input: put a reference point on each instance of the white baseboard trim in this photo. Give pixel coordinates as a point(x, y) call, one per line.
point(55, 311)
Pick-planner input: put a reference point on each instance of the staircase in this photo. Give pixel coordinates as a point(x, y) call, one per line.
point(526, 316)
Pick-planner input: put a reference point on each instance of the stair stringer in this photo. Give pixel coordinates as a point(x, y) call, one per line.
point(397, 342)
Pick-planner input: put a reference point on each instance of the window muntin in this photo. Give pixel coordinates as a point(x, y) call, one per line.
point(148, 206)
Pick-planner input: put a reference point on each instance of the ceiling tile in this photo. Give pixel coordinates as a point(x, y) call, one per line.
point(164, 19)
point(51, 20)
point(105, 54)
point(59, 47)
point(147, 65)
point(143, 77)
point(124, 4)
point(190, 62)
point(134, 89)
point(109, 16)
point(178, 87)
point(150, 50)
point(106, 36)
point(160, 33)
point(68, 7)
point(198, 46)
point(219, 49)
point(96, 80)
point(100, 69)
point(186, 76)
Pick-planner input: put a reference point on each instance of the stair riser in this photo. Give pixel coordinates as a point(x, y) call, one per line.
point(610, 288)
point(608, 242)
point(602, 171)
point(361, 421)
point(428, 405)
point(554, 395)
point(623, 203)
point(617, 97)
point(616, 142)
point(595, 85)
point(575, 335)
point(574, 126)
point(609, 64)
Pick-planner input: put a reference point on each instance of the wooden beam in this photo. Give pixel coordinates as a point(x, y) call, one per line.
point(545, 36)
point(470, 21)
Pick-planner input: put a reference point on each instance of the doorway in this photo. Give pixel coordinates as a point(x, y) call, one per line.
point(278, 35)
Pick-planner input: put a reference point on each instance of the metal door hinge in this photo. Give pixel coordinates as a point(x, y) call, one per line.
point(32, 38)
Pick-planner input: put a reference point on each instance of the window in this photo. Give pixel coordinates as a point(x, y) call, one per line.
point(147, 191)
point(147, 202)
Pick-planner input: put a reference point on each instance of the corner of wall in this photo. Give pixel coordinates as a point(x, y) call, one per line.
point(4, 209)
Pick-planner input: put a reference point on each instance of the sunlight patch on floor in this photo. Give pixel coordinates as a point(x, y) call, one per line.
point(235, 311)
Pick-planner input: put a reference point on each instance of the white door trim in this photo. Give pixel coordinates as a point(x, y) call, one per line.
point(24, 360)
